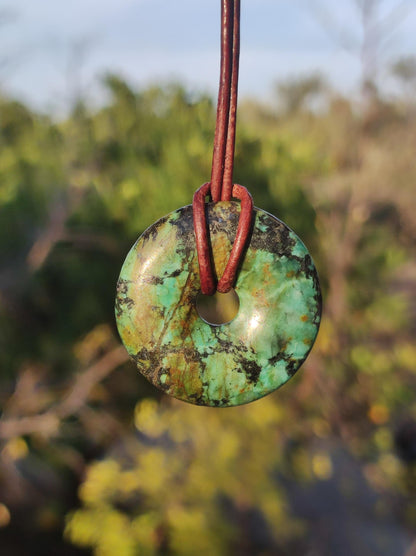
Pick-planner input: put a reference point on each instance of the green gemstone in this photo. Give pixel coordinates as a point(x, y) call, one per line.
point(218, 365)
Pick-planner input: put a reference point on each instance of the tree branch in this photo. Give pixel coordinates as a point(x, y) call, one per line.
point(48, 423)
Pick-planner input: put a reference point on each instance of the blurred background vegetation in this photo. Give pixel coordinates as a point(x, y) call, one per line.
point(92, 459)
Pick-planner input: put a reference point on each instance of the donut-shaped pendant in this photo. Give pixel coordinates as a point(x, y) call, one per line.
point(228, 364)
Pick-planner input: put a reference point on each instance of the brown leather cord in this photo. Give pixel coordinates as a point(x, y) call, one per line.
point(224, 141)
point(227, 180)
point(206, 272)
point(243, 231)
point(221, 186)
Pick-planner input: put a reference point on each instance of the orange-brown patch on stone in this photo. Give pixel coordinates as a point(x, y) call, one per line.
point(221, 250)
point(185, 381)
point(304, 318)
point(267, 271)
point(290, 274)
point(186, 323)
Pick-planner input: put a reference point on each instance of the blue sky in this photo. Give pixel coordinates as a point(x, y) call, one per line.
point(56, 48)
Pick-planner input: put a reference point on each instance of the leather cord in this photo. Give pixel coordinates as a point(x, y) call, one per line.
point(221, 187)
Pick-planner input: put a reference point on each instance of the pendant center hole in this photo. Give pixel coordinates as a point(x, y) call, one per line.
point(220, 308)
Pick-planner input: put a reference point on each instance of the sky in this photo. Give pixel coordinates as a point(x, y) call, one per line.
point(51, 50)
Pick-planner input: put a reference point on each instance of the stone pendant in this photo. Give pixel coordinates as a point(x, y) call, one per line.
point(218, 365)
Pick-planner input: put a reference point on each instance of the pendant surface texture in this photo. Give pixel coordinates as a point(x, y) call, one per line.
point(228, 364)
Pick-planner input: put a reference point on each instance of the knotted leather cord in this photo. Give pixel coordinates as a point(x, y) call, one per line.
point(221, 185)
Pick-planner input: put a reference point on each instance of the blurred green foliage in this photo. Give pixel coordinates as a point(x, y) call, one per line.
point(189, 469)
point(74, 196)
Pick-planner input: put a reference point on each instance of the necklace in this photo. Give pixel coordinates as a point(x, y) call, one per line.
point(255, 255)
